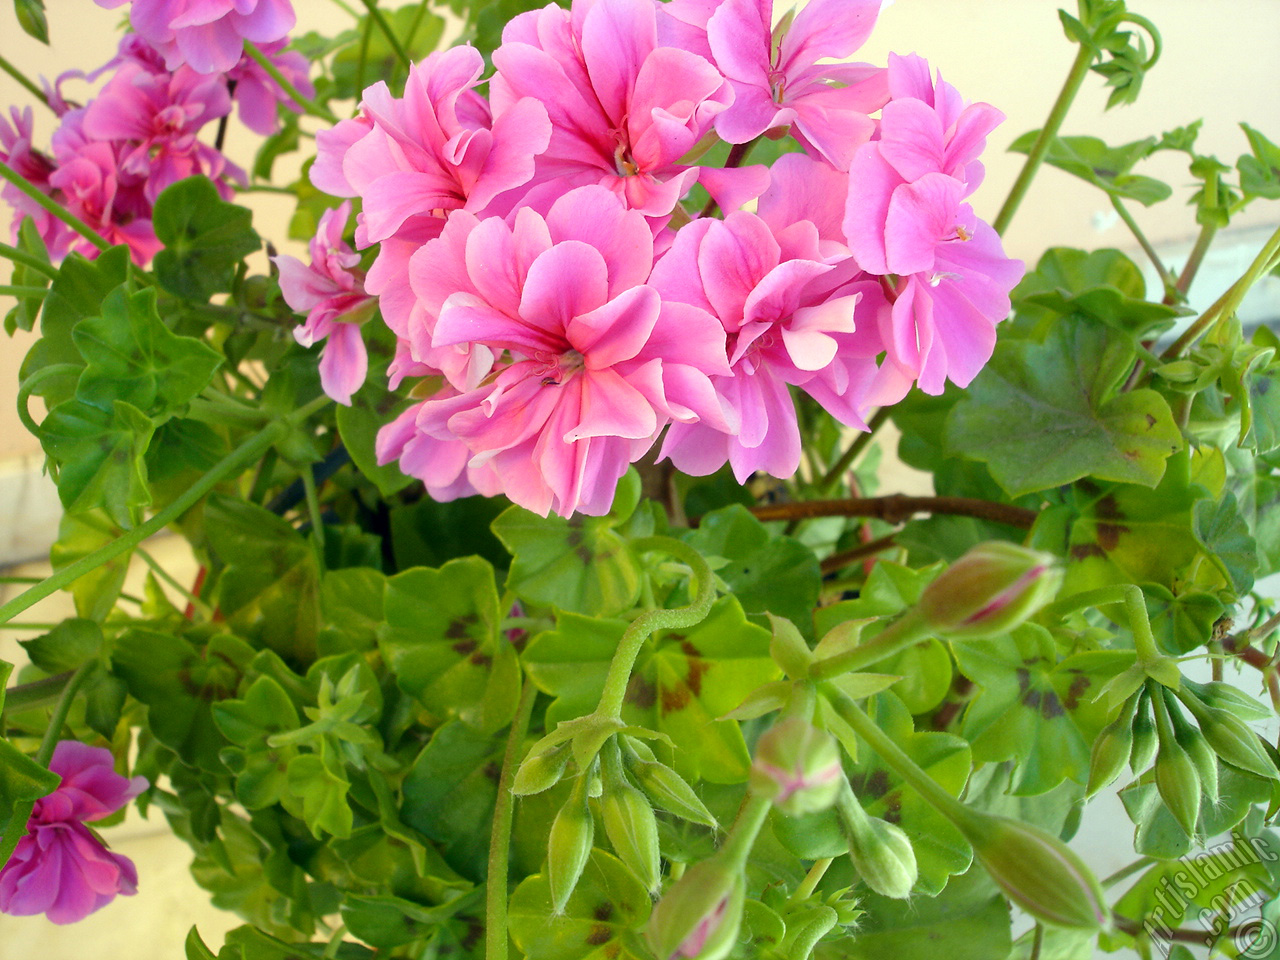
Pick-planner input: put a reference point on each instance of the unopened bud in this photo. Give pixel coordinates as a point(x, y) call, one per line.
point(1235, 743)
point(1111, 751)
point(568, 847)
point(699, 917)
point(541, 772)
point(1145, 738)
point(797, 766)
point(788, 649)
point(633, 830)
point(990, 590)
point(1202, 758)
point(1037, 871)
point(879, 851)
point(668, 790)
point(1178, 781)
point(1224, 696)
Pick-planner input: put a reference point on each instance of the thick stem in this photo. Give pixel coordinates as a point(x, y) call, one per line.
point(495, 936)
point(52, 206)
point(899, 508)
point(1196, 257)
point(37, 693)
point(746, 827)
point(615, 684)
point(233, 462)
point(308, 105)
point(1079, 70)
point(838, 561)
point(810, 882)
point(904, 632)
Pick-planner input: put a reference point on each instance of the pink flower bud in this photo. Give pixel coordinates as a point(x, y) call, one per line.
point(990, 590)
point(797, 766)
point(699, 917)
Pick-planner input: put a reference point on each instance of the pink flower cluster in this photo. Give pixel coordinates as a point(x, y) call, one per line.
point(561, 309)
point(60, 868)
point(111, 159)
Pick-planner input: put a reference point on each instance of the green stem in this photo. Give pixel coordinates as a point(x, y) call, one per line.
point(362, 63)
point(28, 260)
point(829, 482)
point(495, 936)
point(1167, 281)
point(28, 625)
point(313, 509)
point(746, 827)
point(8, 290)
point(28, 386)
point(20, 579)
point(1144, 641)
point(37, 693)
point(1079, 70)
point(904, 632)
point(1196, 257)
point(381, 21)
point(233, 462)
point(52, 206)
point(348, 8)
point(619, 675)
point(1140, 864)
point(16, 828)
point(1226, 304)
point(893, 755)
point(25, 82)
point(171, 580)
point(810, 882)
point(296, 95)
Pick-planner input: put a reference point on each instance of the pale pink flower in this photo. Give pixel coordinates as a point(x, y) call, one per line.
point(60, 868)
point(624, 110)
point(158, 117)
point(330, 292)
point(207, 35)
point(778, 82)
point(599, 365)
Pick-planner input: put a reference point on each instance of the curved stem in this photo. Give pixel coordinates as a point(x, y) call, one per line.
point(16, 828)
point(381, 21)
point(310, 106)
point(28, 386)
point(619, 675)
point(28, 260)
point(898, 508)
point(1157, 44)
point(52, 206)
point(1079, 70)
point(495, 927)
point(229, 465)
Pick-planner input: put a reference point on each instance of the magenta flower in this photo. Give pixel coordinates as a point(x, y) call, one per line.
point(598, 363)
point(777, 82)
point(906, 221)
point(624, 110)
point(158, 117)
point(207, 35)
point(89, 184)
point(331, 294)
point(17, 152)
point(60, 868)
point(258, 97)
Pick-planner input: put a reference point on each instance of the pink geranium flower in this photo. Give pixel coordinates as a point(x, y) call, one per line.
point(599, 365)
point(778, 82)
point(330, 292)
point(258, 98)
point(60, 868)
point(624, 110)
point(207, 35)
point(17, 152)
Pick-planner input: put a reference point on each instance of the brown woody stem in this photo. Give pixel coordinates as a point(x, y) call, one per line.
point(899, 508)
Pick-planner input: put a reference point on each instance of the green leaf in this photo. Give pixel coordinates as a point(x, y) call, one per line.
point(1183, 622)
point(682, 683)
point(180, 684)
point(101, 457)
point(1158, 834)
point(65, 647)
point(22, 780)
point(1221, 531)
point(269, 589)
point(320, 783)
point(1105, 167)
point(204, 238)
point(598, 921)
point(767, 573)
point(969, 920)
point(23, 315)
point(32, 19)
point(1260, 173)
point(386, 921)
point(260, 769)
point(372, 407)
point(132, 356)
point(1073, 421)
point(427, 534)
point(580, 564)
point(441, 641)
point(450, 792)
point(351, 610)
point(77, 292)
point(1027, 696)
point(380, 59)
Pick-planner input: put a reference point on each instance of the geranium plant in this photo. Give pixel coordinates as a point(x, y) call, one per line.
point(500, 646)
